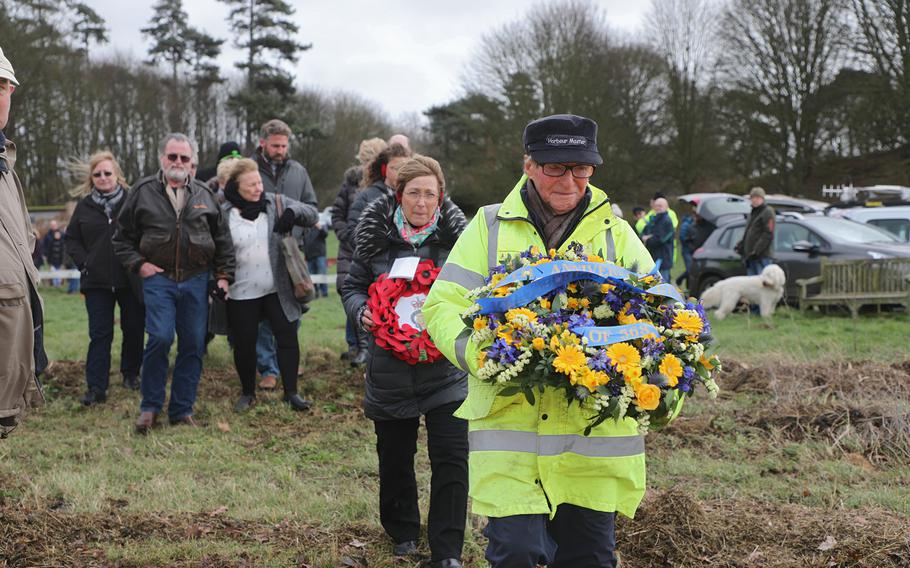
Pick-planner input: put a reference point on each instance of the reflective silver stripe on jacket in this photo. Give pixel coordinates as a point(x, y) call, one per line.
point(461, 347)
point(554, 445)
point(490, 214)
point(456, 274)
point(611, 247)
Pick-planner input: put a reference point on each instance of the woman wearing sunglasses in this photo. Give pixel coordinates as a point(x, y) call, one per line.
point(104, 281)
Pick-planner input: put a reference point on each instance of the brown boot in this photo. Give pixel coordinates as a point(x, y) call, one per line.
point(268, 382)
point(147, 420)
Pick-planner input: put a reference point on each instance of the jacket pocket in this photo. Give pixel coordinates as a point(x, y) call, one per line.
point(201, 251)
point(157, 248)
point(11, 293)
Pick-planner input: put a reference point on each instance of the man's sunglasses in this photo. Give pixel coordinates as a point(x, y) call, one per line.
point(181, 157)
point(105, 174)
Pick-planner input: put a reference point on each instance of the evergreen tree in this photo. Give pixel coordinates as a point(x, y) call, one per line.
point(265, 32)
point(175, 42)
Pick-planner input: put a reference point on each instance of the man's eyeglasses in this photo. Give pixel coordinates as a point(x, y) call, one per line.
point(105, 174)
point(579, 171)
point(181, 157)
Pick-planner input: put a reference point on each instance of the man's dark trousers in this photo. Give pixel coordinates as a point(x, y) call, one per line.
point(576, 538)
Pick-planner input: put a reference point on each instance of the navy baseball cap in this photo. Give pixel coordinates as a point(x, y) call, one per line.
point(562, 138)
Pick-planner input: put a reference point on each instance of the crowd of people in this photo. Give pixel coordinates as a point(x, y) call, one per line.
point(169, 247)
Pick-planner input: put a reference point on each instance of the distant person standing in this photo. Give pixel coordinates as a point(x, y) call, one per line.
point(315, 252)
point(658, 237)
point(53, 249)
point(638, 213)
point(105, 283)
point(227, 150)
point(758, 239)
point(283, 175)
point(22, 356)
point(367, 151)
point(172, 233)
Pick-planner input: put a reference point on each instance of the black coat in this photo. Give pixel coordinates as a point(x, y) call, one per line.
point(394, 389)
point(345, 232)
point(88, 242)
point(660, 245)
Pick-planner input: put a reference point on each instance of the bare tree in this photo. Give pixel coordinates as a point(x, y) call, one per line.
point(684, 34)
point(778, 57)
point(884, 27)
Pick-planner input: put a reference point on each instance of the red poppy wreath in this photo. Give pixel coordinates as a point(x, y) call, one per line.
point(396, 307)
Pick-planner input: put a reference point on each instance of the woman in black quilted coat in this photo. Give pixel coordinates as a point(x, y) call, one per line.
point(417, 221)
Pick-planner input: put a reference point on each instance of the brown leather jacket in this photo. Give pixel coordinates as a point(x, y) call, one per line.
point(149, 231)
point(19, 387)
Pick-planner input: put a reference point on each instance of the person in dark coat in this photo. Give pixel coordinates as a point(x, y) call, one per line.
point(53, 249)
point(369, 149)
point(758, 238)
point(314, 251)
point(227, 150)
point(658, 237)
point(378, 180)
point(417, 221)
point(104, 281)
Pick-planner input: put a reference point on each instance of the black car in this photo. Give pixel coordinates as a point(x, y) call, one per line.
point(799, 245)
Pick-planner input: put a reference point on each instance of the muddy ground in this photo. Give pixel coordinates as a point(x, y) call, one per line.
point(860, 409)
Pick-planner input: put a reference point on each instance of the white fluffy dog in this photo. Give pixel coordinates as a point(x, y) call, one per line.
point(766, 290)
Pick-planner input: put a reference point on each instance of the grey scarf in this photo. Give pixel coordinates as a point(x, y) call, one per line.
point(553, 226)
point(107, 200)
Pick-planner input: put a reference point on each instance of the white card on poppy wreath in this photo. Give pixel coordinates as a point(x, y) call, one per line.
point(404, 267)
point(410, 310)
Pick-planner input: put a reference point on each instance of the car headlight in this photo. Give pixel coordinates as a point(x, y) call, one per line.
point(878, 255)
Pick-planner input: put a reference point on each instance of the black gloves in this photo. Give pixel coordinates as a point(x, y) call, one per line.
point(285, 223)
point(215, 292)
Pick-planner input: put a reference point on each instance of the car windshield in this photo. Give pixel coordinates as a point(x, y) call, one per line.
point(844, 231)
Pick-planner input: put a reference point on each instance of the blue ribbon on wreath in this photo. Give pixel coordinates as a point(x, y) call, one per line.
point(552, 275)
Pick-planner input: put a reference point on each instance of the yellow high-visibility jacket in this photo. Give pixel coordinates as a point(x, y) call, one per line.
point(529, 459)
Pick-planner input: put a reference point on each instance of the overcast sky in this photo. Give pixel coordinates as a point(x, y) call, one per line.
point(403, 55)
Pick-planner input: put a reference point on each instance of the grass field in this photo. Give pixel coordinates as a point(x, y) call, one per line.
point(802, 461)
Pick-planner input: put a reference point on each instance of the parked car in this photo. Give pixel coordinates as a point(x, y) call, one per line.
point(800, 242)
point(718, 208)
point(785, 203)
point(894, 219)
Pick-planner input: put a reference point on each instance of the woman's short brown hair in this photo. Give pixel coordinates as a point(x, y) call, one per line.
point(419, 166)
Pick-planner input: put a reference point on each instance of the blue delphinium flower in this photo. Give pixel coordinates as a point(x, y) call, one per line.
point(576, 247)
point(579, 320)
point(685, 382)
point(599, 361)
point(705, 324)
point(652, 348)
point(635, 306)
point(502, 352)
point(613, 299)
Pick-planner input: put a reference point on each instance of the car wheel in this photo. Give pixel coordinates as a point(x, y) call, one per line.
point(707, 282)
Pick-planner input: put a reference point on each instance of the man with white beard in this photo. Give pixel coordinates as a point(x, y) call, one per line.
point(172, 233)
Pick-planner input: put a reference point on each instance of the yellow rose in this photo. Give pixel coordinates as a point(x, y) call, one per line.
point(647, 397)
point(538, 343)
point(480, 323)
point(545, 303)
